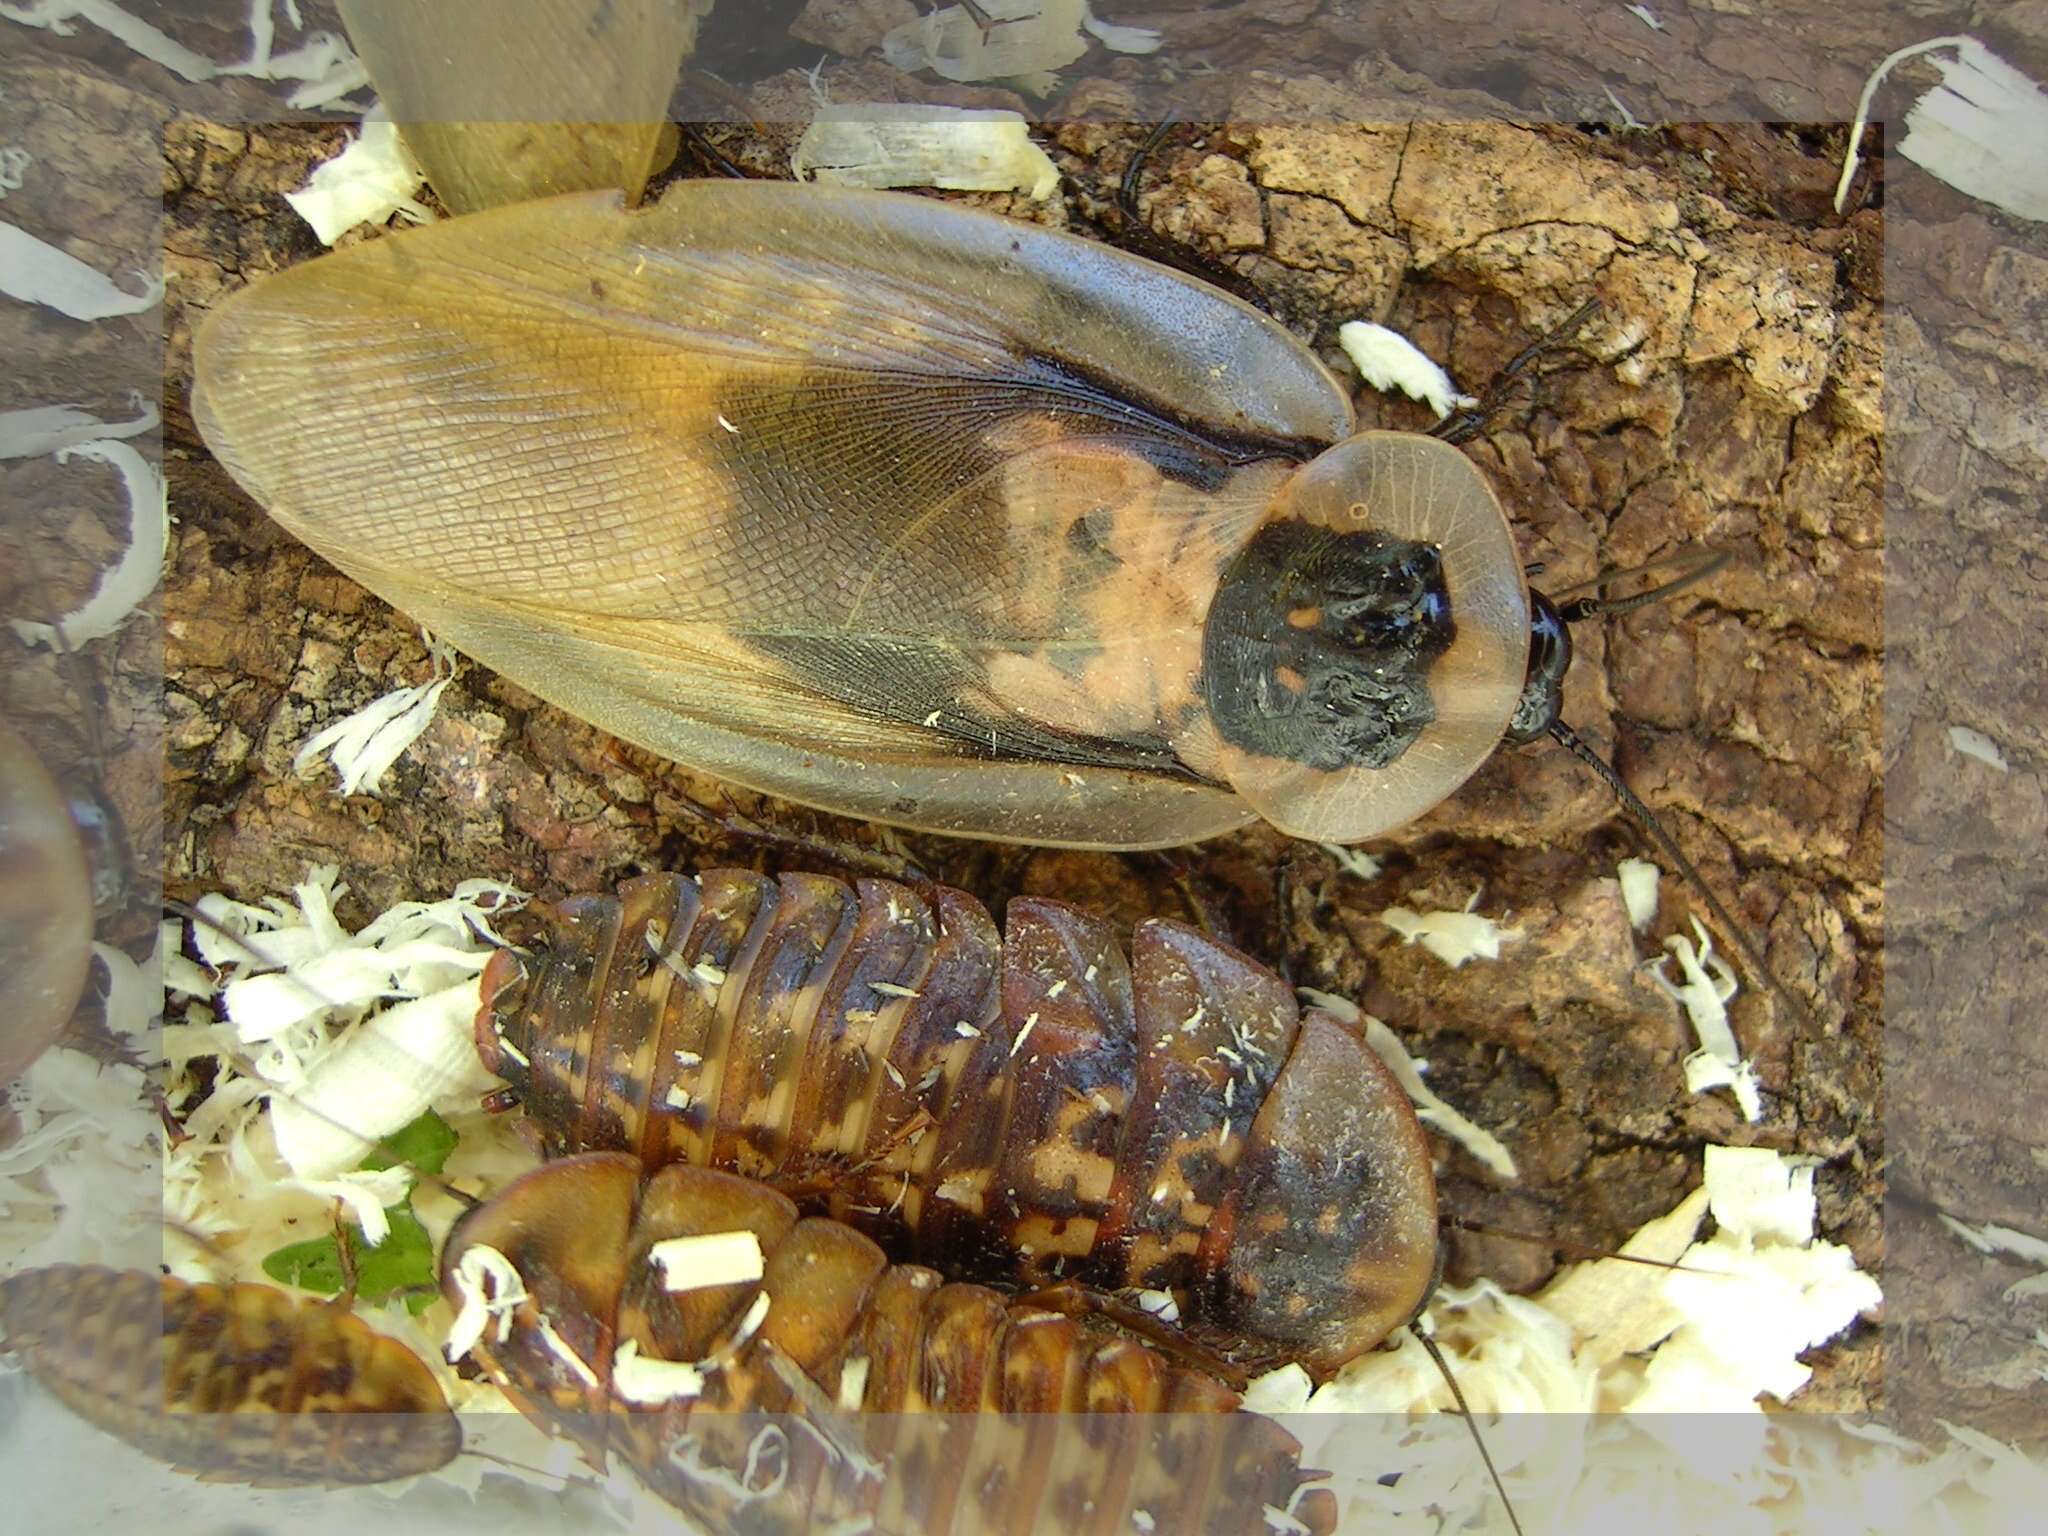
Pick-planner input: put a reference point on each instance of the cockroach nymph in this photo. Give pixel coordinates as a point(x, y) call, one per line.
point(822, 1388)
point(1028, 1107)
point(240, 1383)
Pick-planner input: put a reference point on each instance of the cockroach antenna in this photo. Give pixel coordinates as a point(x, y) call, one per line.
point(1472, 1424)
point(1538, 713)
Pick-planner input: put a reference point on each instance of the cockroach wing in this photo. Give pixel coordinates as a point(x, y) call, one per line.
point(880, 504)
point(887, 506)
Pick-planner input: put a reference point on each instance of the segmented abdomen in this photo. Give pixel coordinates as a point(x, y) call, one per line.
point(836, 1391)
point(1023, 1107)
point(240, 1383)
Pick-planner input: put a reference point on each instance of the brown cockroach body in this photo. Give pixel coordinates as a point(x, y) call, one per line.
point(826, 1389)
point(1030, 1107)
point(239, 1383)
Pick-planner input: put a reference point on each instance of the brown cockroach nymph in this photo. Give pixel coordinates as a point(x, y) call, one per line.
point(239, 1383)
point(1029, 1107)
point(821, 1388)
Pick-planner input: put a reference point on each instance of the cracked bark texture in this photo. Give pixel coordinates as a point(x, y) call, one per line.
point(1727, 393)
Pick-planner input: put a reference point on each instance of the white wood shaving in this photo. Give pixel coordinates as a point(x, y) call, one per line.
point(891, 989)
point(709, 973)
point(14, 164)
point(768, 1450)
point(491, 1290)
point(1285, 1390)
point(559, 1348)
point(1991, 1238)
point(708, 1259)
point(1027, 37)
point(895, 1076)
point(1355, 862)
point(363, 746)
point(640, 1379)
point(46, 429)
point(507, 1048)
point(1971, 743)
point(1120, 39)
point(853, 1383)
point(1646, 16)
point(1980, 130)
point(36, 272)
point(749, 1325)
point(1704, 1072)
point(676, 1097)
point(1704, 994)
point(365, 1193)
point(1386, 360)
point(1453, 937)
point(906, 145)
point(1639, 884)
point(138, 35)
point(372, 179)
point(385, 1074)
point(1765, 1195)
point(1023, 1034)
point(1159, 1304)
point(966, 1031)
point(126, 584)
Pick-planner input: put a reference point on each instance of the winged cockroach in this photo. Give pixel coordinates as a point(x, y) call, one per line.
point(891, 507)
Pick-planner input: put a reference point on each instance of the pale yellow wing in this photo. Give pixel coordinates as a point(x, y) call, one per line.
point(869, 501)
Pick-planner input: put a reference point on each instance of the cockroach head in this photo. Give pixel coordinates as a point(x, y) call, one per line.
point(1319, 645)
point(1550, 657)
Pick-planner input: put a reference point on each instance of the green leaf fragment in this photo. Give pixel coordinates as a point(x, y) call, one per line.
point(402, 1264)
point(422, 1145)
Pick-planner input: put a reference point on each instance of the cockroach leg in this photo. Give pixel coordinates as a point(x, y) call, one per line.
point(1135, 235)
point(345, 1259)
point(848, 856)
point(1467, 423)
point(1127, 189)
point(1070, 1298)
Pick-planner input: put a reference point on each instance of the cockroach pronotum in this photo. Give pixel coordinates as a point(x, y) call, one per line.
point(240, 1383)
point(1028, 1107)
point(766, 1373)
